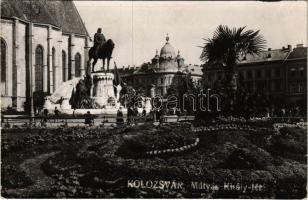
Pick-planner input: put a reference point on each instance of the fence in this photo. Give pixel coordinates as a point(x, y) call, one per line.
point(54, 121)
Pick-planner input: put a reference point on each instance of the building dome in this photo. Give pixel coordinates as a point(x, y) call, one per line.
point(167, 51)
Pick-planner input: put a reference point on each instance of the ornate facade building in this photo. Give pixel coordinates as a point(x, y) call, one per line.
point(161, 73)
point(47, 38)
point(280, 73)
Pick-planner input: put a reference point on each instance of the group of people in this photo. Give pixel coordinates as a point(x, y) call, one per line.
point(133, 114)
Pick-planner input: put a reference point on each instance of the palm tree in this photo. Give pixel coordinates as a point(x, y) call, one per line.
point(228, 46)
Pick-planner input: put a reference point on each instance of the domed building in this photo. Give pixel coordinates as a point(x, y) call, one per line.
point(161, 73)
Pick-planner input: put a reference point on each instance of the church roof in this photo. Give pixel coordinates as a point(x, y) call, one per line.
point(60, 13)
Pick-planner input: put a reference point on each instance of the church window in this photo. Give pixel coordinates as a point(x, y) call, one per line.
point(3, 66)
point(39, 52)
point(77, 65)
point(54, 67)
point(64, 78)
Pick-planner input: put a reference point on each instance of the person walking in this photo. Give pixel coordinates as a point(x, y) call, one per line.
point(57, 114)
point(120, 119)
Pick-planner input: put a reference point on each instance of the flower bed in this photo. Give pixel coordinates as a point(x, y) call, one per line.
point(163, 141)
point(231, 127)
point(92, 166)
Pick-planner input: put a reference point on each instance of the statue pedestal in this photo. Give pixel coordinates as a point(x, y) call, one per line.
point(65, 105)
point(102, 88)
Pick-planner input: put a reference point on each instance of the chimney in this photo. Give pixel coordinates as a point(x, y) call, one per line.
point(299, 45)
point(290, 47)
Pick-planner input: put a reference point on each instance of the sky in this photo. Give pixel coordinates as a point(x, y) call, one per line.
point(139, 28)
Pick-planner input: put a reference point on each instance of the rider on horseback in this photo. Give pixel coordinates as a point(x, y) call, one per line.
point(99, 39)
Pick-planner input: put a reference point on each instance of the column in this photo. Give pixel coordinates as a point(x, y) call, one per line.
point(71, 55)
point(84, 68)
point(31, 67)
point(16, 69)
point(49, 61)
point(59, 77)
point(45, 76)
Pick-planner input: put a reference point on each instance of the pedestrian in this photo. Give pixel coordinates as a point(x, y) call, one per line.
point(89, 120)
point(45, 112)
point(130, 114)
point(135, 111)
point(57, 114)
point(120, 119)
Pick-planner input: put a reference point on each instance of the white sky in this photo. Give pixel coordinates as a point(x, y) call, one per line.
point(139, 28)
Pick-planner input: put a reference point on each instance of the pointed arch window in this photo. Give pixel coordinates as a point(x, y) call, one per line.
point(54, 68)
point(77, 65)
point(39, 52)
point(64, 78)
point(3, 66)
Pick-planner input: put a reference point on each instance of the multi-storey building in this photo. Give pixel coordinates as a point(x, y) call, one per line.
point(161, 73)
point(277, 73)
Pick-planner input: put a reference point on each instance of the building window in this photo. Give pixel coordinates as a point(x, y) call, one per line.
point(3, 67)
point(54, 68)
point(249, 74)
point(293, 88)
point(277, 73)
point(292, 72)
point(301, 72)
point(301, 88)
point(77, 65)
point(241, 75)
point(249, 86)
point(39, 53)
point(69, 71)
point(259, 73)
point(161, 80)
point(268, 73)
point(277, 86)
point(64, 78)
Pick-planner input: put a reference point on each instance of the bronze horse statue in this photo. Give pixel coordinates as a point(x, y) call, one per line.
point(104, 52)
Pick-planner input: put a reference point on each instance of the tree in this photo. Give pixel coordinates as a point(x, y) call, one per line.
point(228, 46)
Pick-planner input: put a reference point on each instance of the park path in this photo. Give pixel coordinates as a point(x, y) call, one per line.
point(41, 182)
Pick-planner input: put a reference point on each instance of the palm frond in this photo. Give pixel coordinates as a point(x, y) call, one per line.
point(226, 45)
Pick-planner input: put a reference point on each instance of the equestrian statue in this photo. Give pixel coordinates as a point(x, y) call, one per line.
point(101, 49)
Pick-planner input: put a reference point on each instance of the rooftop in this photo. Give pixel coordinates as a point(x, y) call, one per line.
point(266, 56)
point(60, 13)
point(298, 53)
